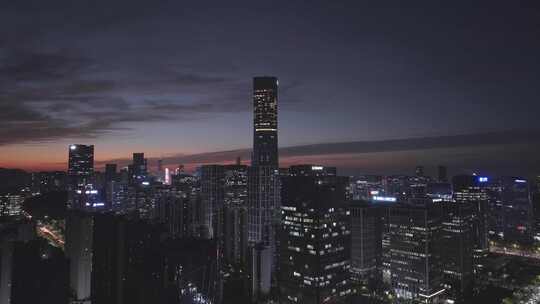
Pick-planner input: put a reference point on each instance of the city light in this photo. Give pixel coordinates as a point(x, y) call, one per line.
point(384, 199)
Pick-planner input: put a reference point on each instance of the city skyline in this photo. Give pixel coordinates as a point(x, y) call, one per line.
point(370, 95)
point(295, 152)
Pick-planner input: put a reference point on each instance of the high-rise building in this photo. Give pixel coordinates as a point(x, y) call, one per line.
point(314, 240)
point(265, 122)
point(235, 213)
point(172, 210)
point(511, 210)
point(469, 189)
point(224, 194)
point(139, 168)
point(263, 181)
point(79, 246)
point(212, 191)
point(80, 165)
point(457, 250)
point(412, 255)
point(81, 192)
point(366, 241)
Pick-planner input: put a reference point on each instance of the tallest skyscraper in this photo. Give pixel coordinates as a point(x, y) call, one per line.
point(265, 122)
point(263, 185)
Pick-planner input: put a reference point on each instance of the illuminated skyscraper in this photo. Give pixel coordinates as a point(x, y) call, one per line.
point(457, 254)
point(265, 122)
point(511, 212)
point(263, 175)
point(314, 240)
point(412, 260)
point(81, 164)
point(139, 167)
point(469, 189)
point(235, 213)
point(81, 193)
point(263, 184)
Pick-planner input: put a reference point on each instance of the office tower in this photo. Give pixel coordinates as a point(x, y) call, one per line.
point(263, 175)
point(79, 246)
point(265, 121)
point(235, 213)
point(189, 187)
point(469, 189)
point(314, 240)
point(366, 240)
point(412, 260)
point(263, 209)
point(139, 168)
point(263, 181)
point(212, 187)
point(172, 209)
point(81, 192)
point(511, 210)
point(442, 174)
point(118, 196)
point(419, 172)
point(80, 165)
point(457, 250)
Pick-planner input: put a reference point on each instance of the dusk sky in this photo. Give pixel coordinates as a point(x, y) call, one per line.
point(369, 88)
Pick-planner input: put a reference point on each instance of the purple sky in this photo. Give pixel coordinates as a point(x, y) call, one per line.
point(173, 78)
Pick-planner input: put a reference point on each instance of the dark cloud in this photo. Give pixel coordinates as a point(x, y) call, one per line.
point(24, 65)
point(49, 96)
